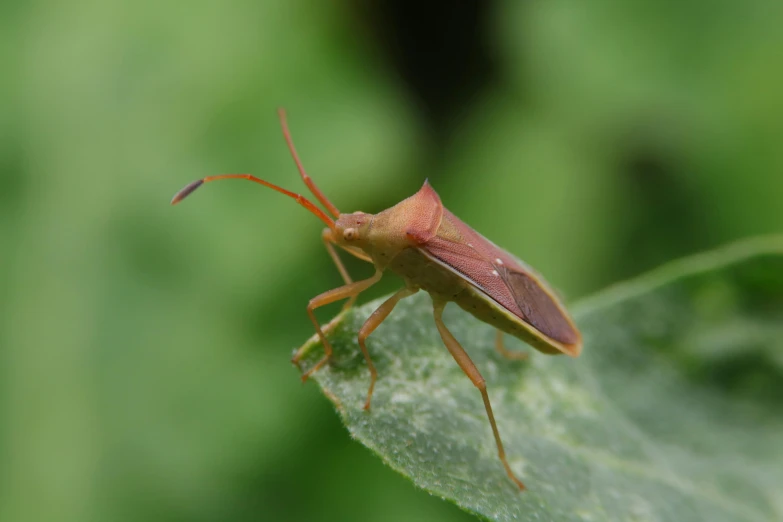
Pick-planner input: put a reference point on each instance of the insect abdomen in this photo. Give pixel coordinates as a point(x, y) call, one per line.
point(482, 307)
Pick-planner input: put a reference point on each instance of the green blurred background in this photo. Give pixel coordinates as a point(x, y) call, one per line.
point(144, 371)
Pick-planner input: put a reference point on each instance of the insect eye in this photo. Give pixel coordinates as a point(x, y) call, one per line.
point(350, 234)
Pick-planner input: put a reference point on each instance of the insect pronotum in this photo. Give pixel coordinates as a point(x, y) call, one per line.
point(432, 250)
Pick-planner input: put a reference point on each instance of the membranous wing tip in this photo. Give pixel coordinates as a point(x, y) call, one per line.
point(540, 308)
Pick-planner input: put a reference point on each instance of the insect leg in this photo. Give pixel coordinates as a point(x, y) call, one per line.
point(326, 237)
point(464, 362)
point(508, 354)
point(369, 326)
point(324, 299)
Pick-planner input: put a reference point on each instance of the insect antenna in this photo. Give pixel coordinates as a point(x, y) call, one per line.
point(320, 196)
point(188, 189)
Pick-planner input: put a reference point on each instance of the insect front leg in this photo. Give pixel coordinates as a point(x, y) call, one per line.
point(331, 296)
point(508, 354)
point(467, 366)
point(369, 326)
point(326, 237)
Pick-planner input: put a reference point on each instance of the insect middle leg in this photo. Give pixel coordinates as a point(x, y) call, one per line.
point(467, 366)
point(349, 290)
point(369, 326)
point(508, 354)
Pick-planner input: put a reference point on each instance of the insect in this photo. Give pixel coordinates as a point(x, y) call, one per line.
point(432, 250)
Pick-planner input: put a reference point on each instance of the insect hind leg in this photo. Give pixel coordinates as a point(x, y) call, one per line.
point(467, 366)
point(508, 354)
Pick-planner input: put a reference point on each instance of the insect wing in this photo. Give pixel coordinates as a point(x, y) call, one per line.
point(540, 308)
point(501, 276)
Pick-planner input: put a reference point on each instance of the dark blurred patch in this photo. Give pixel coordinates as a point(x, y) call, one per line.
point(765, 280)
point(665, 214)
point(733, 344)
point(440, 49)
point(752, 375)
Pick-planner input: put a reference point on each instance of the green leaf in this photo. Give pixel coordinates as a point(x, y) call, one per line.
point(672, 412)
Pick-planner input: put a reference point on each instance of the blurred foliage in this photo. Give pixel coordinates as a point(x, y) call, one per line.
point(635, 429)
point(145, 350)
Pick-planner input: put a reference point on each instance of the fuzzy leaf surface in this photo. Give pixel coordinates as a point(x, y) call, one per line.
point(673, 412)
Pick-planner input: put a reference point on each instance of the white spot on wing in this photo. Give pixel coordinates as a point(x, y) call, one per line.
point(499, 261)
point(495, 273)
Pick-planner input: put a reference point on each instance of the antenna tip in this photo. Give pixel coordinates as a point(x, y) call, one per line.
point(186, 191)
